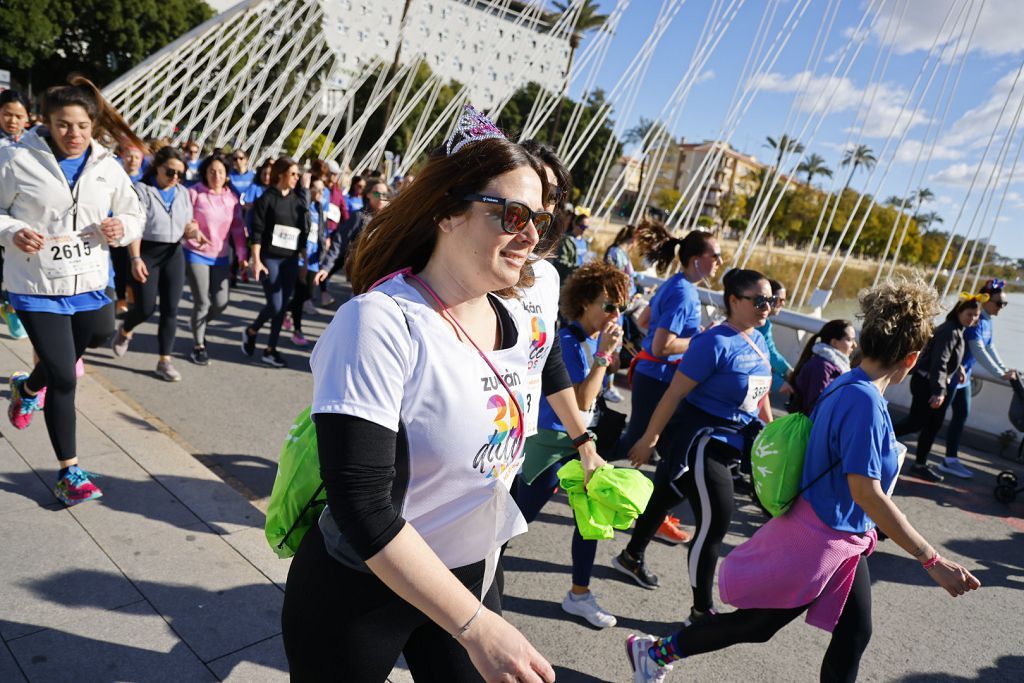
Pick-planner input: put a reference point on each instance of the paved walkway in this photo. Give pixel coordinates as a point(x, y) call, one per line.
point(168, 577)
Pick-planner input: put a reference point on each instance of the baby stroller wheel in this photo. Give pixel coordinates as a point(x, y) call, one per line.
point(1007, 477)
point(1005, 493)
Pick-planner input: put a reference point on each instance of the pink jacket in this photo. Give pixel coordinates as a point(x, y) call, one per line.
point(792, 561)
point(218, 215)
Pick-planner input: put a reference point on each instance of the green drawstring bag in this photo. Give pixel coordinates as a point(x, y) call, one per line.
point(295, 502)
point(612, 500)
point(777, 461)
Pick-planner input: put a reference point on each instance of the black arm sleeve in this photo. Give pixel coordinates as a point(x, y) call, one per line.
point(357, 464)
point(554, 376)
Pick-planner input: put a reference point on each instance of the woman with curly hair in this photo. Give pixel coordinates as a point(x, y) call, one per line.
point(813, 558)
point(592, 300)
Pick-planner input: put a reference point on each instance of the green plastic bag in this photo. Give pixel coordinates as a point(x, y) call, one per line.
point(295, 502)
point(777, 461)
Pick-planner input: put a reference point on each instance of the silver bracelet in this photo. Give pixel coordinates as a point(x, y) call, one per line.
point(465, 627)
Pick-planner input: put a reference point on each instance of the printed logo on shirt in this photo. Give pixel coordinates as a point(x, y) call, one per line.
point(538, 340)
point(498, 455)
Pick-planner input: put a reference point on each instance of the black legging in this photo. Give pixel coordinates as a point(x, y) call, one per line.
point(59, 340)
point(278, 284)
point(708, 486)
point(842, 658)
point(922, 417)
point(121, 259)
point(336, 618)
point(303, 293)
point(166, 265)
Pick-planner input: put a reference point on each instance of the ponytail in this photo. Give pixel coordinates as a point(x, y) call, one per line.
point(832, 330)
point(659, 247)
point(109, 129)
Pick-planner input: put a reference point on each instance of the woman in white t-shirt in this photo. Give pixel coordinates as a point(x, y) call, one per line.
point(418, 386)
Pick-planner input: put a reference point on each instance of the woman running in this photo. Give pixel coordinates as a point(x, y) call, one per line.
point(376, 195)
point(932, 383)
point(13, 121)
point(592, 301)
point(980, 350)
point(825, 356)
point(780, 366)
point(280, 223)
point(309, 263)
point(62, 227)
point(713, 409)
point(207, 257)
point(813, 558)
point(619, 255)
point(418, 416)
point(672, 319)
point(158, 265)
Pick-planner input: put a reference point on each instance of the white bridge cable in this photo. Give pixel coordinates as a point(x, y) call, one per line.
point(995, 220)
point(888, 165)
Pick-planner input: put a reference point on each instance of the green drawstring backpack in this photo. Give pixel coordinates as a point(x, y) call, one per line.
point(295, 502)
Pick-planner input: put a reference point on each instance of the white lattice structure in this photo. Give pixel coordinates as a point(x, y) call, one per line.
point(258, 71)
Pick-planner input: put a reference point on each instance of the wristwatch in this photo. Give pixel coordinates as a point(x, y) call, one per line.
point(585, 437)
point(602, 359)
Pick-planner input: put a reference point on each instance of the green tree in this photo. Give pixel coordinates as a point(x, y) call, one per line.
point(667, 197)
point(857, 157)
point(318, 149)
point(783, 146)
point(814, 165)
point(100, 39)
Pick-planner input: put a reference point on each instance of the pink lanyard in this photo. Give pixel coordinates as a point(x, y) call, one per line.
point(407, 272)
point(749, 341)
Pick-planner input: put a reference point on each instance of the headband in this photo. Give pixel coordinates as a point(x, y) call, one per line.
point(980, 298)
point(472, 126)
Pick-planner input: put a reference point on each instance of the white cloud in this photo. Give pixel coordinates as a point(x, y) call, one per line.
point(907, 152)
point(961, 174)
point(975, 126)
point(708, 75)
point(832, 95)
point(998, 31)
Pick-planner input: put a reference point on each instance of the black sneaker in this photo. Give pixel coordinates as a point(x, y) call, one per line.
point(926, 473)
point(635, 569)
point(273, 359)
point(199, 356)
point(248, 342)
point(698, 617)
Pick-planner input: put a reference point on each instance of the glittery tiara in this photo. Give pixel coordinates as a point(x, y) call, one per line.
point(472, 126)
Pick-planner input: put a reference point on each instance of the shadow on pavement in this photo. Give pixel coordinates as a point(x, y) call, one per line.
point(1008, 668)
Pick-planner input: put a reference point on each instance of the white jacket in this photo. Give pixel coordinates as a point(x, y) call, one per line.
point(35, 194)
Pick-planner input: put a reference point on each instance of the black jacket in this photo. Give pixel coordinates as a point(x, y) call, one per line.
point(274, 209)
point(942, 356)
point(346, 234)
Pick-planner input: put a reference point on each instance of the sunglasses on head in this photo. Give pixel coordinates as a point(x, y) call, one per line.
point(515, 215)
point(761, 301)
point(609, 307)
point(173, 172)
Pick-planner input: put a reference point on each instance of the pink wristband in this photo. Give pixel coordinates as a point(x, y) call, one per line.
point(932, 562)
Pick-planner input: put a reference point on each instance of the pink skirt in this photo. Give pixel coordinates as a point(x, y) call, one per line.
point(792, 561)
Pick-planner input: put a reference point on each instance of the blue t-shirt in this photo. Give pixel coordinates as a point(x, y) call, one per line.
point(136, 177)
point(204, 260)
point(252, 193)
point(192, 172)
point(576, 355)
point(311, 259)
point(981, 332)
point(731, 376)
point(72, 168)
point(354, 204)
point(676, 308)
point(241, 182)
point(581, 249)
point(167, 195)
point(851, 426)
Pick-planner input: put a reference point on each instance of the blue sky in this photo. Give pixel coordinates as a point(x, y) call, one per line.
point(911, 27)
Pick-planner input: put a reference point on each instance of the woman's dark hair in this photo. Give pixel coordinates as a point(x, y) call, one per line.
point(829, 332)
point(622, 236)
point(776, 286)
point(352, 184)
point(549, 157)
point(960, 307)
point(659, 247)
point(269, 165)
point(404, 234)
point(162, 156)
point(736, 282)
point(897, 319)
point(13, 96)
point(109, 128)
point(992, 286)
point(280, 166)
point(588, 283)
point(318, 170)
point(370, 184)
point(205, 164)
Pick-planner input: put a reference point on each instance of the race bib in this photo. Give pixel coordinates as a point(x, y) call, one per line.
point(334, 213)
point(314, 232)
point(71, 254)
point(532, 407)
point(901, 456)
point(285, 237)
point(758, 387)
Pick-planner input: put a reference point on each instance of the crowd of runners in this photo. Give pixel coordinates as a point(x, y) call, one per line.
point(477, 357)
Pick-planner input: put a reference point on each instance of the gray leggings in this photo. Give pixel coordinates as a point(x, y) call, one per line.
point(209, 285)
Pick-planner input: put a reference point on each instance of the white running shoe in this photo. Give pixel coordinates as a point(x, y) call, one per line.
point(612, 395)
point(955, 467)
point(309, 307)
point(589, 610)
point(645, 669)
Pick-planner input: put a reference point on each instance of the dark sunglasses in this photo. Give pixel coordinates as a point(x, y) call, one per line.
point(515, 215)
point(1002, 304)
point(761, 301)
point(609, 307)
point(381, 195)
point(173, 172)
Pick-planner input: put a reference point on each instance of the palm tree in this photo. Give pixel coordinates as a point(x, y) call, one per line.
point(923, 195)
point(635, 136)
point(783, 146)
point(812, 166)
point(855, 157)
point(588, 19)
point(894, 200)
point(925, 220)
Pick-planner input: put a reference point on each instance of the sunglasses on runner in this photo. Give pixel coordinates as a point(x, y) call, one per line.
point(761, 301)
point(173, 172)
point(382, 195)
point(609, 307)
point(515, 215)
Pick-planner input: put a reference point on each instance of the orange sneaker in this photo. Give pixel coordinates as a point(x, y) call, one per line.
point(670, 532)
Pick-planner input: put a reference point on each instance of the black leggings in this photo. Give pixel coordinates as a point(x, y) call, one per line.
point(923, 417)
point(303, 293)
point(708, 486)
point(166, 265)
point(59, 340)
point(278, 284)
point(121, 260)
point(339, 619)
point(842, 658)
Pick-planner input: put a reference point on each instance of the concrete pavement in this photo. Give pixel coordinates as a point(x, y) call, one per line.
point(168, 576)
